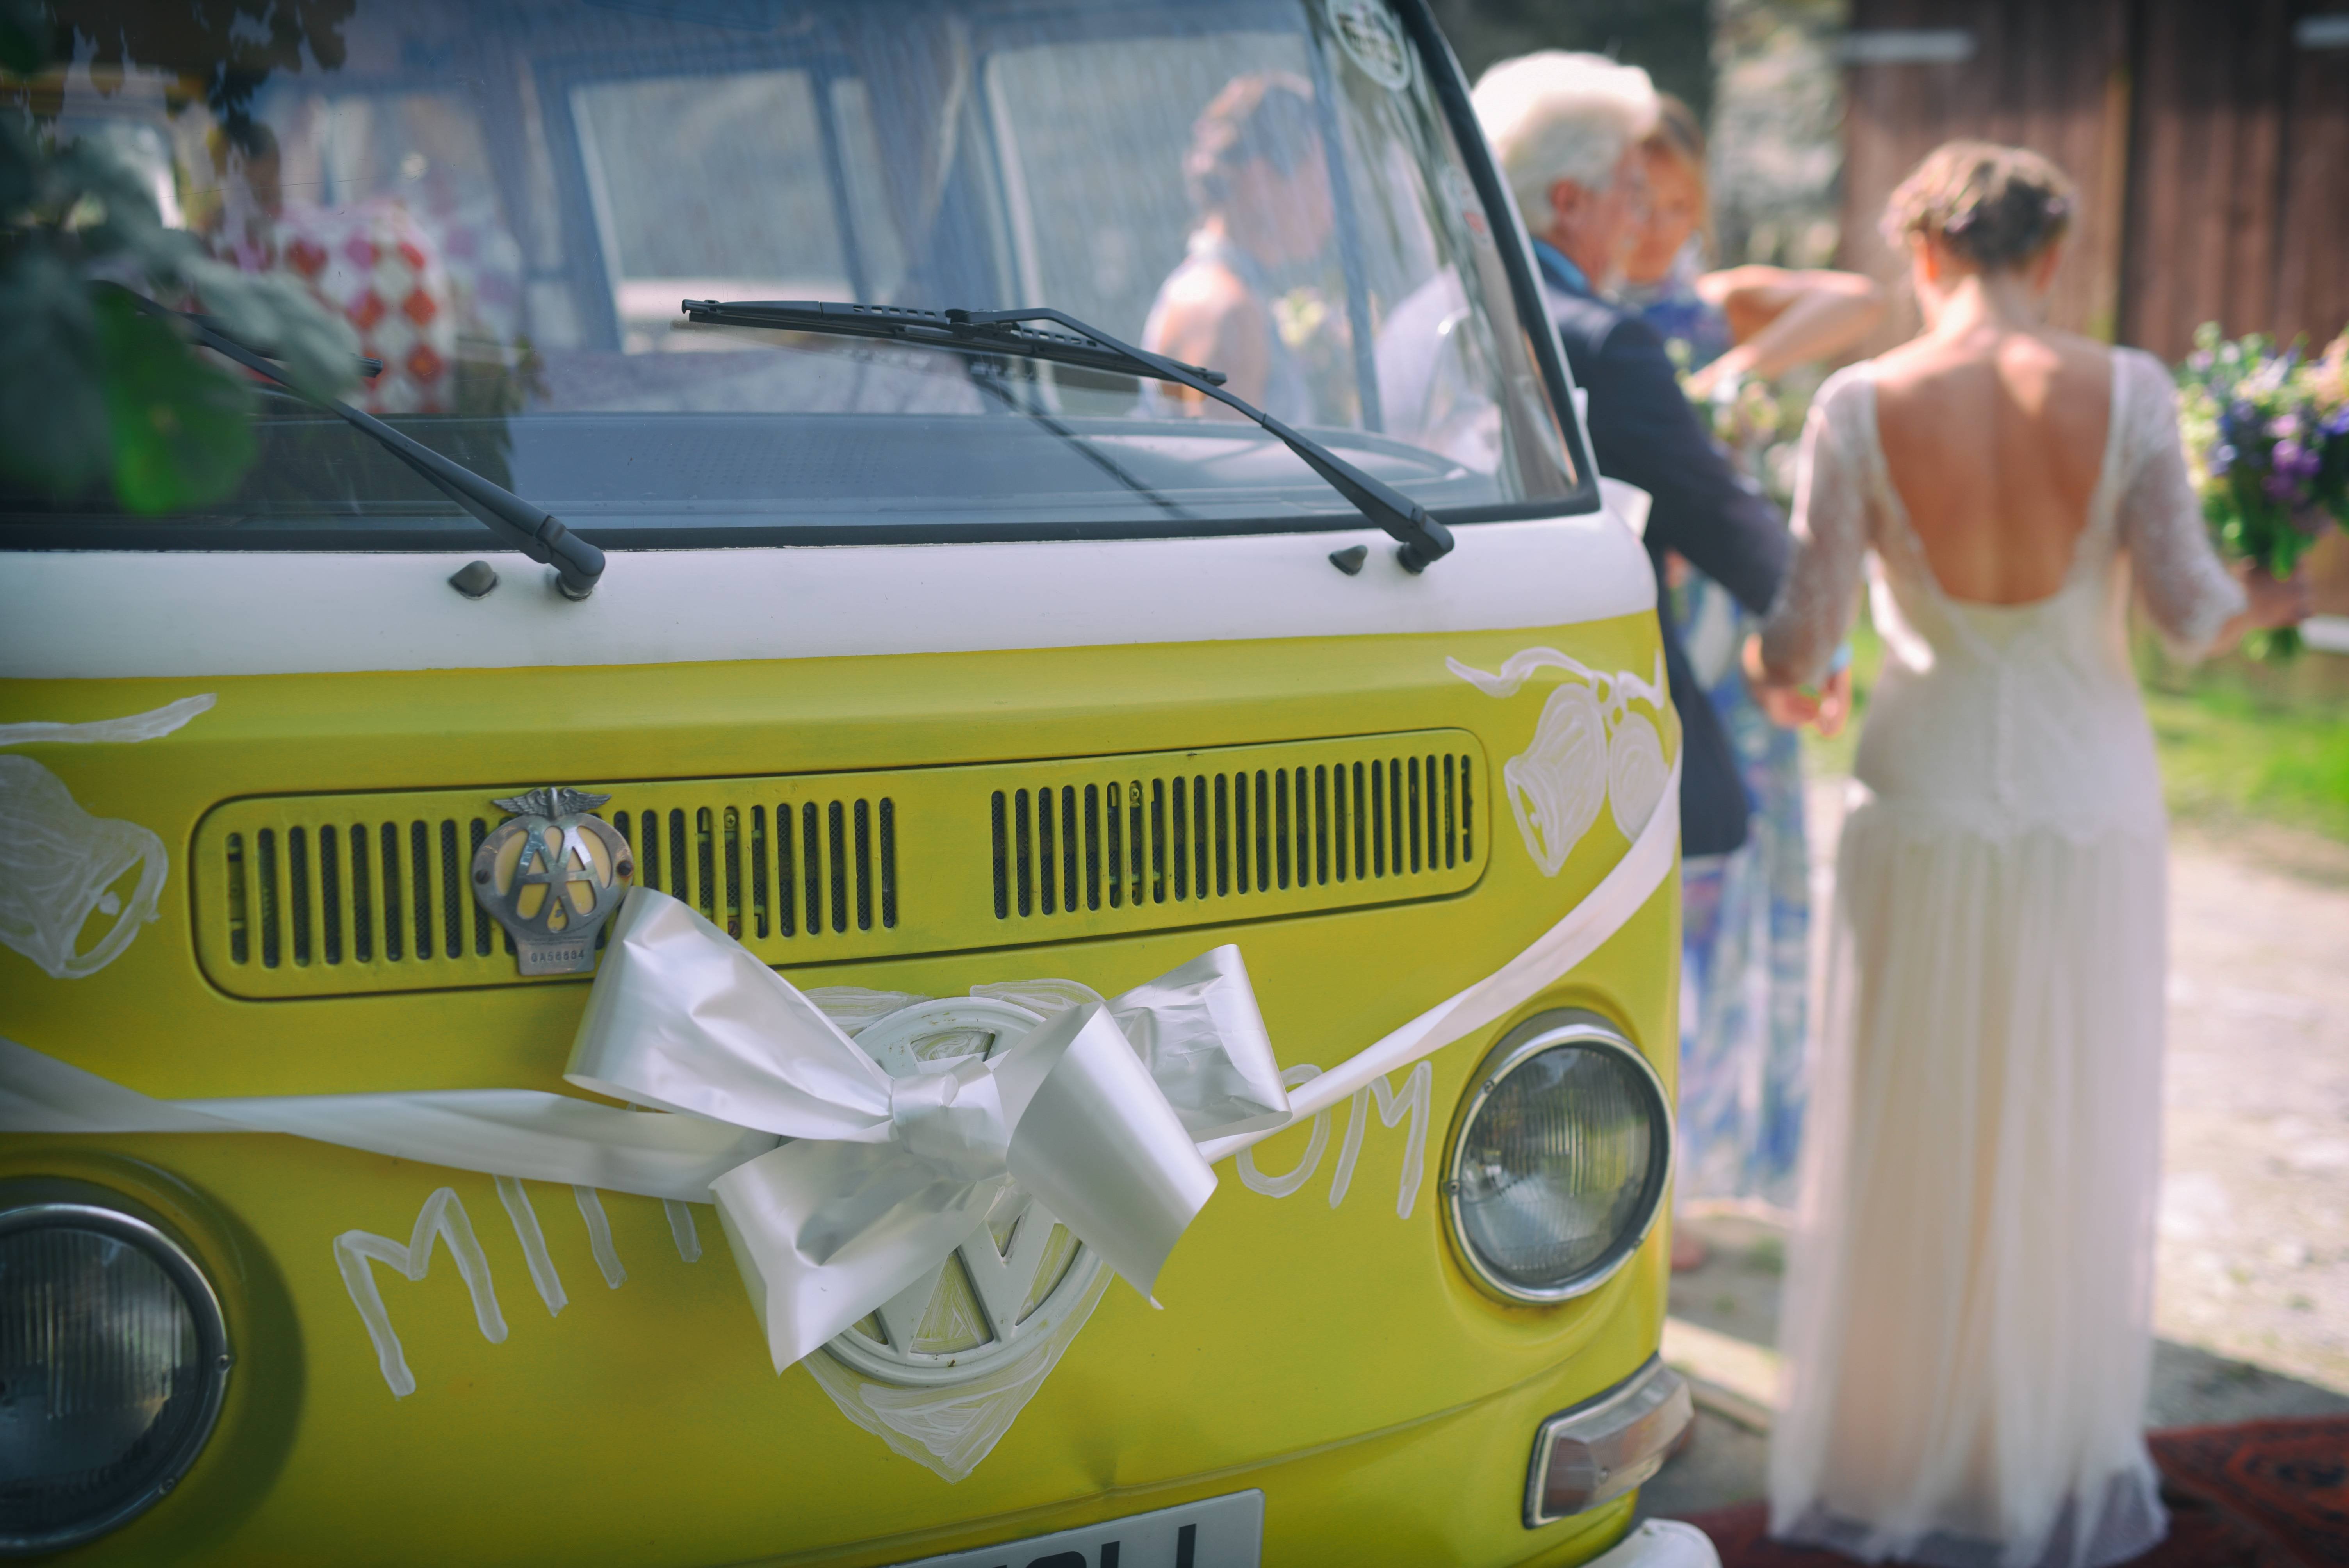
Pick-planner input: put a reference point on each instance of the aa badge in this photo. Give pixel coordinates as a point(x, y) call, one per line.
point(552, 875)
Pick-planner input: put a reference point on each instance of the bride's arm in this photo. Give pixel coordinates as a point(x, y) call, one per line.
point(2199, 606)
point(1831, 537)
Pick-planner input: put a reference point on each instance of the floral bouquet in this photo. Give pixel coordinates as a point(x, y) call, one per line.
point(2267, 441)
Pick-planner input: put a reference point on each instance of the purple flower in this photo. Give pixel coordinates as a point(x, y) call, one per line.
point(2338, 425)
point(2222, 458)
point(2199, 361)
point(2281, 487)
point(2298, 462)
point(2284, 425)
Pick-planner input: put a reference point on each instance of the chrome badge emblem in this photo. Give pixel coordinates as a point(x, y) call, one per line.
point(551, 874)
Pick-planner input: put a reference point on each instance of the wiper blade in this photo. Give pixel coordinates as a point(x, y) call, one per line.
point(531, 529)
point(989, 330)
point(1422, 538)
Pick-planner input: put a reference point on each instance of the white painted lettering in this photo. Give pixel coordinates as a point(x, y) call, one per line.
point(443, 1216)
point(1416, 1100)
point(1256, 1180)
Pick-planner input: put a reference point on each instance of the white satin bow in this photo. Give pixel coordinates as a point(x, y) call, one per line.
point(884, 1176)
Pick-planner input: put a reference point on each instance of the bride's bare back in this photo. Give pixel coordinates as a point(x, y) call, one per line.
point(1994, 438)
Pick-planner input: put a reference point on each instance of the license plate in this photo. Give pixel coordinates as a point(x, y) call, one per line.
point(1218, 1533)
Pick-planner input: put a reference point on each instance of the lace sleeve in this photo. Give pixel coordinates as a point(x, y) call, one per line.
point(1831, 532)
point(2185, 589)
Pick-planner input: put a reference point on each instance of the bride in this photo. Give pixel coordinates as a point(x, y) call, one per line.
point(1970, 1289)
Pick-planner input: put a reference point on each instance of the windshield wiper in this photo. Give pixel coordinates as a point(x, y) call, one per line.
point(1422, 538)
point(532, 529)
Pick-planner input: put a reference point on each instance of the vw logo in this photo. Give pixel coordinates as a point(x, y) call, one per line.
point(1018, 1275)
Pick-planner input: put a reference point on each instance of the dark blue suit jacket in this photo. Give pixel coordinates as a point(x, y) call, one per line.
point(1643, 432)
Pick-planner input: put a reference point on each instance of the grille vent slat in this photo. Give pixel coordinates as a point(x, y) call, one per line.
point(354, 894)
point(396, 893)
point(1191, 837)
point(270, 901)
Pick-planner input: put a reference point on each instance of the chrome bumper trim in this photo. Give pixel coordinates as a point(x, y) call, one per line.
point(1603, 1448)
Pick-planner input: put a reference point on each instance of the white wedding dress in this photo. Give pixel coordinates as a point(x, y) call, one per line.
point(1970, 1289)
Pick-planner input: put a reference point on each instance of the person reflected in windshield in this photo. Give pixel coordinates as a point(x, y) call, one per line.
point(1259, 180)
point(366, 256)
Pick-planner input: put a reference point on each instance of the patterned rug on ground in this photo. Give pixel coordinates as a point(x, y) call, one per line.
point(2264, 1494)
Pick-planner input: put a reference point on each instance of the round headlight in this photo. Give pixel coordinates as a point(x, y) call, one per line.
point(1564, 1149)
point(113, 1359)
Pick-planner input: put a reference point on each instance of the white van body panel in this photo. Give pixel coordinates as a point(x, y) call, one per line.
point(113, 613)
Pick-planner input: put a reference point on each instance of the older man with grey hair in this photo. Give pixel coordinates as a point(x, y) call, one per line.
point(1566, 130)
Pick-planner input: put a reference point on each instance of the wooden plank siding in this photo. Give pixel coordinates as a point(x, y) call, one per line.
point(2211, 151)
point(2313, 264)
point(2207, 187)
point(2049, 76)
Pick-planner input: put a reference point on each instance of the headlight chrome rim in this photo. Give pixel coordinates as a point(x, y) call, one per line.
point(1580, 1029)
point(213, 1357)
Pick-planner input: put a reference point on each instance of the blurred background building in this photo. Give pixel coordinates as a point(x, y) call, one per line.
point(2209, 138)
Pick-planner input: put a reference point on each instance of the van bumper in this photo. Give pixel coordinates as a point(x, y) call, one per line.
point(1662, 1543)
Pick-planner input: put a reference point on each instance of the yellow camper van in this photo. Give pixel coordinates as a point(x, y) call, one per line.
point(559, 940)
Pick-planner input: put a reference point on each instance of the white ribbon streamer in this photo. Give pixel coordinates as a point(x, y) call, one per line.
point(838, 1184)
point(1620, 894)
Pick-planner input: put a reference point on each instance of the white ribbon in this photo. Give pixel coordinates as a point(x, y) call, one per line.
point(838, 1185)
point(883, 1176)
point(1620, 894)
point(1110, 1113)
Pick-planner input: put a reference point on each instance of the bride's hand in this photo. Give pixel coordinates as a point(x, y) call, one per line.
point(1835, 703)
point(1792, 706)
point(2274, 602)
point(2270, 603)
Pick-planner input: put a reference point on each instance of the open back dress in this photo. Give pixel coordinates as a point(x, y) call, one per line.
point(1967, 1311)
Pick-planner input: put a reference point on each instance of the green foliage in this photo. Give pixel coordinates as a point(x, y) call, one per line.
point(94, 394)
point(180, 429)
point(2230, 756)
point(24, 36)
point(52, 390)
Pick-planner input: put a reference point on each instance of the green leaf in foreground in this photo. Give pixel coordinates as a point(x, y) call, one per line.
point(179, 428)
point(53, 425)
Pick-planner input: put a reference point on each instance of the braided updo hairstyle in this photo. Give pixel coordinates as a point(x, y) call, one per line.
point(1996, 206)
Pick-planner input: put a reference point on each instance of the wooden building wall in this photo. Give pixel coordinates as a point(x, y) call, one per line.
point(2209, 138)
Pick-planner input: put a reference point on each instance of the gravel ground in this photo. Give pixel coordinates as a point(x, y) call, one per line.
point(2254, 1259)
point(2253, 1294)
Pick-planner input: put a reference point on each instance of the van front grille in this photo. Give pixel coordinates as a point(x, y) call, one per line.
point(356, 894)
point(1190, 837)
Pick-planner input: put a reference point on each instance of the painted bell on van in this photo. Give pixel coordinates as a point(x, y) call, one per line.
point(552, 875)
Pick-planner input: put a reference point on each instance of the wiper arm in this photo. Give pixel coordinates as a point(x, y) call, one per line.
point(532, 529)
point(1421, 538)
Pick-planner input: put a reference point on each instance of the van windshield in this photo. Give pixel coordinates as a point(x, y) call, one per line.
point(509, 203)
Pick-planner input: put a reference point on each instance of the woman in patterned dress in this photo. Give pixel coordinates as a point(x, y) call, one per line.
point(1746, 923)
